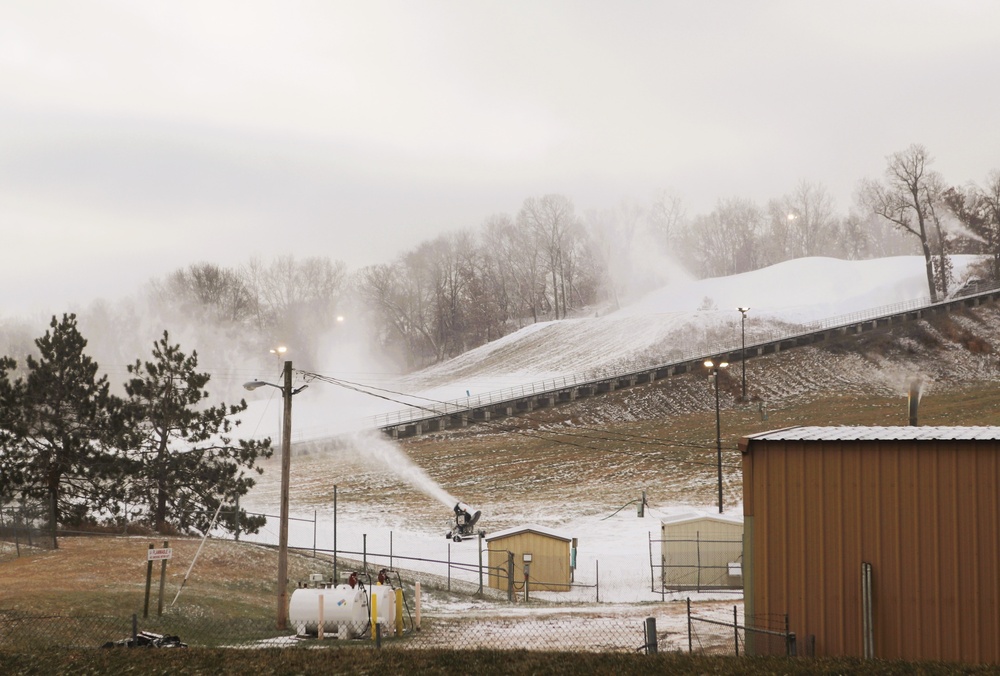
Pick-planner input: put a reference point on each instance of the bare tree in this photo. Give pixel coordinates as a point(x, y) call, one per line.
point(552, 222)
point(865, 235)
point(802, 223)
point(612, 234)
point(727, 241)
point(297, 299)
point(977, 209)
point(905, 200)
point(665, 219)
point(521, 251)
point(497, 277)
point(208, 291)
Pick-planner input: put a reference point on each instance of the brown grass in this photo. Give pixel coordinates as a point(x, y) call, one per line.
point(107, 575)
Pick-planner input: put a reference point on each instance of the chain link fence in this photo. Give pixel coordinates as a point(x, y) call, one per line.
point(24, 529)
point(23, 632)
point(696, 564)
point(719, 633)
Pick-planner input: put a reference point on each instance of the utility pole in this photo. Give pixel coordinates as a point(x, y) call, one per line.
point(713, 369)
point(286, 465)
point(743, 354)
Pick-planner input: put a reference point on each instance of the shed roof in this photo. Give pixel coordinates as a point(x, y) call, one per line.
point(698, 516)
point(859, 433)
point(532, 527)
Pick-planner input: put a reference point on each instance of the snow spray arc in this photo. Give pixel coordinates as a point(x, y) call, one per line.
point(372, 447)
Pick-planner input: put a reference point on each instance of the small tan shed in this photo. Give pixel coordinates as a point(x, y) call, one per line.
point(702, 551)
point(548, 555)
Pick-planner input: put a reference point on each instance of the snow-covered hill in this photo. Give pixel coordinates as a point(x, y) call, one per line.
point(690, 317)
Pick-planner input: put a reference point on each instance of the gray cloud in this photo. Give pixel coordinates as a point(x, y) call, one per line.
point(138, 138)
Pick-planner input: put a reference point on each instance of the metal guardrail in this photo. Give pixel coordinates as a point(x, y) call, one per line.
point(432, 411)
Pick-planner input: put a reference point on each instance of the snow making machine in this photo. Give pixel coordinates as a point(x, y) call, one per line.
point(465, 522)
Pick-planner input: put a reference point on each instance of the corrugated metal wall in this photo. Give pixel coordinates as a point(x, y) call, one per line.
point(925, 514)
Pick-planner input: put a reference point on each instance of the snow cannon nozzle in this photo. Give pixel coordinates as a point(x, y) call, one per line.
point(465, 522)
point(466, 515)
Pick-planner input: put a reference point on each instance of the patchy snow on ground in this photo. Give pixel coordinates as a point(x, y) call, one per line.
point(614, 549)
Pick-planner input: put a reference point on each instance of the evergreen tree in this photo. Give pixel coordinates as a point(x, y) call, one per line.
point(61, 431)
point(186, 462)
point(8, 478)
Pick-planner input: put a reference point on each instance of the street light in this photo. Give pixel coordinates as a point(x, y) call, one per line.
point(713, 370)
point(286, 464)
point(743, 354)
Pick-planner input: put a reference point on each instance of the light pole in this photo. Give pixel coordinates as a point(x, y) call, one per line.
point(713, 370)
point(286, 464)
point(743, 353)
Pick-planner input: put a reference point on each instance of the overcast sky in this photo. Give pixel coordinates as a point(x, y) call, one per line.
point(137, 137)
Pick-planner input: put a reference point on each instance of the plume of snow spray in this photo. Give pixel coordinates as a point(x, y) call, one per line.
point(372, 448)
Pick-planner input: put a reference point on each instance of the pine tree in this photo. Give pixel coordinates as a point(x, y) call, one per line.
point(186, 461)
point(62, 431)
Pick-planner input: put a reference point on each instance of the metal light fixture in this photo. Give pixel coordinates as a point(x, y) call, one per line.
point(713, 370)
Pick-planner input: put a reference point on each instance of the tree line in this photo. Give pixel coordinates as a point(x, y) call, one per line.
point(462, 289)
point(159, 456)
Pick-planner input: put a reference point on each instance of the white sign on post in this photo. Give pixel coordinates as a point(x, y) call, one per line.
point(160, 554)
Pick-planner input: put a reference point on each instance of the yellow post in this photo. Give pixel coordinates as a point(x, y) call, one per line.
point(399, 612)
point(374, 614)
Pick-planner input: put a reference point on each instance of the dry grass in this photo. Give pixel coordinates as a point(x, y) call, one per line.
point(107, 576)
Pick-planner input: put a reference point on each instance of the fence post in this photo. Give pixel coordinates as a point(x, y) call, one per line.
point(690, 642)
point(510, 576)
point(651, 647)
point(480, 544)
point(449, 566)
point(149, 581)
point(335, 535)
point(163, 581)
point(27, 524)
point(53, 509)
point(17, 537)
point(736, 632)
point(697, 548)
point(597, 579)
point(364, 551)
point(314, 533)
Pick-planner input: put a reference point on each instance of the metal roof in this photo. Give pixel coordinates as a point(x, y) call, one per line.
point(686, 517)
point(859, 433)
point(531, 527)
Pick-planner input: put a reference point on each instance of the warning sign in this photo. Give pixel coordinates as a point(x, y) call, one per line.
point(160, 554)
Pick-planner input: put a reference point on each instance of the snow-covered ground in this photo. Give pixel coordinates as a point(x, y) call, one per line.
point(612, 546)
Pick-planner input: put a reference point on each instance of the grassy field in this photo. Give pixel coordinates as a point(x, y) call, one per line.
point(594, 451)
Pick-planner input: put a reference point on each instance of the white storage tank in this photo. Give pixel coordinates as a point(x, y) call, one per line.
point(345, 610)
point(385, 606)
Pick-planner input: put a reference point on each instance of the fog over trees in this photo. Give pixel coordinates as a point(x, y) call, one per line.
point(549, 262)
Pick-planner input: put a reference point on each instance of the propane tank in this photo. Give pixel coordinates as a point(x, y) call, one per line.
point(345, 610)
